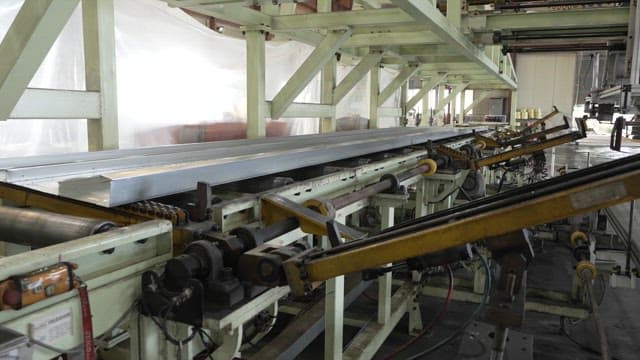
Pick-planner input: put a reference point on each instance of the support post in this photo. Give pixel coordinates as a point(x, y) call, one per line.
point(454, 12)
point(436, 110)
point(374, 91)
point(26, 44)
point(461, 112)
point(100, 71)
point(256, 114)
point(426, 112)
point(305, 73)
point(384, 281)
point(328, 80)
point(328, 83)
point(512, 110)
point(334, 315)
point(403, 102)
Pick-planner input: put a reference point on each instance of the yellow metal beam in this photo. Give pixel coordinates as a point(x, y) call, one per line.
point(525, 150)
point(596, 195)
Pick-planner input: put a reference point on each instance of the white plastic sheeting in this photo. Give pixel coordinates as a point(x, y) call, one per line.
point(171, 70)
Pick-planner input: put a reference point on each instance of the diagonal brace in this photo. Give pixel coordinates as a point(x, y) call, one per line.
point(355, 75)
point(454, 92)
point(425, 89)
point(404, 75)
point(306, 72)
point(477, 101)
point(24, 47)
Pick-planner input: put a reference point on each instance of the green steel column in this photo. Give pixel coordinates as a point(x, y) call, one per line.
point(512, 112)
point(403, 104)
point(439, 121)
point(100, 71)
point(374, 91)
point(454, 12)
point(256, 112)
point(25, 45)
point(328, 80)
point(461, 112)
point(426, 112)
point(328, 83)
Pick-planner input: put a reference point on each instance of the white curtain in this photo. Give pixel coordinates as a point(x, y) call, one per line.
point(171, 71)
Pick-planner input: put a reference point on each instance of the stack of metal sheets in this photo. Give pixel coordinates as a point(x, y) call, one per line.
point(112, 178)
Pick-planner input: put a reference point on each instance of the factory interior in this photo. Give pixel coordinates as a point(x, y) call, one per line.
point(319, 179)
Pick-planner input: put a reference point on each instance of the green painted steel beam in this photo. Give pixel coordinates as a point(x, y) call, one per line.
point(340, 19)
point(400, 79)
point(390, 39)
point(235, 13)
point(466, 65)
point(374, 90)
point(561, 19)
point(426, 50)
point(355, 75)
point(442, 59)
point(306, 72)
point(26, 44)
point(256, 110)
point(381, 29)
point(381, 18)
point(98, 25)
point(57, 104)
point(430, 15)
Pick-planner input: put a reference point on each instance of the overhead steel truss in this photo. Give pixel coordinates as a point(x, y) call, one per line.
point(414, 37)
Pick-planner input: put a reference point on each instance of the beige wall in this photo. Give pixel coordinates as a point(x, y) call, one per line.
point(483, 107)
point(545, 80)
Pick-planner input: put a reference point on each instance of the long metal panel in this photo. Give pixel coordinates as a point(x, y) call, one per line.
point(117, 188)
point(23, 170)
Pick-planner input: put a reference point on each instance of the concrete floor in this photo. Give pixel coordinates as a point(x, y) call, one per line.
point(552, 268)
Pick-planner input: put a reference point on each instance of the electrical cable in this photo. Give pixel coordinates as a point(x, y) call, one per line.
point(476, 312)
point(163, 328)
point(209, 345)
point(427, 328)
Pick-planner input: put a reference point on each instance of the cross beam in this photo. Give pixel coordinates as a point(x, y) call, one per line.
point(26, 44)
point(305, 73)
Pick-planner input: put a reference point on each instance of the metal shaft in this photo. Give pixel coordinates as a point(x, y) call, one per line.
point(345, 200)
point(38, 228)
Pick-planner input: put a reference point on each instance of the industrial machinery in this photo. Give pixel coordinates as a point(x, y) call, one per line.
point(240, 246)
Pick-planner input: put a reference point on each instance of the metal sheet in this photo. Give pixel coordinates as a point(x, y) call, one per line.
point(114, 178)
